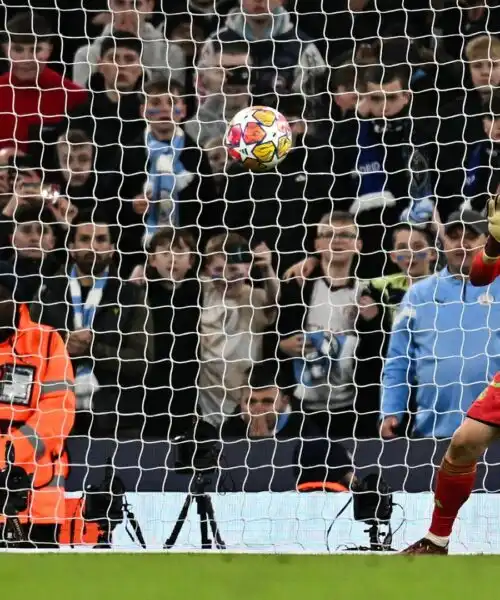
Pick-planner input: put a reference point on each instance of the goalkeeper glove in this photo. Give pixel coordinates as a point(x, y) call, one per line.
point(494, 218)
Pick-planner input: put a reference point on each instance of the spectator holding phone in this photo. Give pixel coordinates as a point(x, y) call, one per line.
point(234, 316)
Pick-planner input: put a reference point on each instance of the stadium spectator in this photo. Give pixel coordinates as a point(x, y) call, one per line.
point(414, 254)
point(7, 158)
point(458, 24)
point(283, 207)
point(189, 29)
point(265, 409)
point(131, 17)
point(234, 316)
point(30, 92)
point(112, 116)
point(346, 82)
point(224, 82)
point(105, 326)
point(167, 173)
point(483, 56)
point(28, 243)
point(479, 171)
point(365, 20)
point(328, 332)
point(78, 179)
point(443, 340)
point(393, 161)
point(212, 12)
point(173, 294)
point(285, 59)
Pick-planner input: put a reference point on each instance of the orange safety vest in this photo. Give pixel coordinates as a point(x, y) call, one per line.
point(37, 412)
point(321, 486)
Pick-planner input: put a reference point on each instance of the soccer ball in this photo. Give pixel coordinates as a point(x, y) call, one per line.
point(259, 138)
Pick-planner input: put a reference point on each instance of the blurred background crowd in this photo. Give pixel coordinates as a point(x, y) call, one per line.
point(327, 296)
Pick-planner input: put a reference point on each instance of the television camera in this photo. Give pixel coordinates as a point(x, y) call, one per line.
point(15, 486)
point(106, 505)
point(199, 459)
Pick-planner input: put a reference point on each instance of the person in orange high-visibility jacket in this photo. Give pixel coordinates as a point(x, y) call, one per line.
point(37, 409)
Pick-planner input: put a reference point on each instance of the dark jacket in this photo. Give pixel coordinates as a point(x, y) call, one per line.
point(457, 29)
point(429, 152)
point(32, 273)
point(110, 125)
point(283, 206)
point(121, 345)
point(479, 175)
point(174, 367)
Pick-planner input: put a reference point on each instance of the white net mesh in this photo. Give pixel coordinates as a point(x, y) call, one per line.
point(258, 330)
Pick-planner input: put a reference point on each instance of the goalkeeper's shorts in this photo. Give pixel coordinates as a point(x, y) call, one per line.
point(486, 407)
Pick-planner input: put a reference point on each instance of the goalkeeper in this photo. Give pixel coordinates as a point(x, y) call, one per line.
point(456, 475)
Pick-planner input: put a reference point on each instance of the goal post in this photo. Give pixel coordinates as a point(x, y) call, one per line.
point(237, 234)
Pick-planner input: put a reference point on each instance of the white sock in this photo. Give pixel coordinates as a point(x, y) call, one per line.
point(437, 539)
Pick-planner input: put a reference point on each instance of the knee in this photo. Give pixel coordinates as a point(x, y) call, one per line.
point(464, 448)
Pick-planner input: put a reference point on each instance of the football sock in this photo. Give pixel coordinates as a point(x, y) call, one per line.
point(453, 488)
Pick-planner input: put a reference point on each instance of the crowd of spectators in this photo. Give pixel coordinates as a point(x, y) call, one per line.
point(326, 297)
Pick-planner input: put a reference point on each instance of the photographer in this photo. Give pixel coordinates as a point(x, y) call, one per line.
point(37, 408)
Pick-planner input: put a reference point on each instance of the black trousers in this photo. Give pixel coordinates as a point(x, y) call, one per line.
point(36, 536)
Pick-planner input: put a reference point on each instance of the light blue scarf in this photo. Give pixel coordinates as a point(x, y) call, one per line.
point(315, 369)
point(84, 313)
point(165, 167)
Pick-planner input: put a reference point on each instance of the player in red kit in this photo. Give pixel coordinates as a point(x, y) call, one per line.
point(457, 473)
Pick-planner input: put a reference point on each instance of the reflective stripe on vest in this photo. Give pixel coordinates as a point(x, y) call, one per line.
point(54, 386)
point(34, 439)
point(56, 481)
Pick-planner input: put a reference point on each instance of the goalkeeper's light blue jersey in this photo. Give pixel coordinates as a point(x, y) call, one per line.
point(445, 341)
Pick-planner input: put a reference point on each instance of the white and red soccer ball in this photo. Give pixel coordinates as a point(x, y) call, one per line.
point(259, 138)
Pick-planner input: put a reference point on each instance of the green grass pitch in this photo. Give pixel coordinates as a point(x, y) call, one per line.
point(245, 577)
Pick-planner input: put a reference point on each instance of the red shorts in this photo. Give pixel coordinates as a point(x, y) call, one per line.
point(486, 407)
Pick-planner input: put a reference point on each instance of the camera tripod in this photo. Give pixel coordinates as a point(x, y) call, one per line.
point(206, 515)
point(107, 526)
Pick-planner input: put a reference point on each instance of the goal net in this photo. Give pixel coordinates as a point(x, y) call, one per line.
point(202, 354)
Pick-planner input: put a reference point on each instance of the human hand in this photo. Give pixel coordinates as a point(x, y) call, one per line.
point(494, 218)
point(389, 424)
point(263, 257)
point(368, 309)
point(259, 425)
point(140, 205)
point(293, 345)
point(79, 342)
point(301, 270)
point(138, 275)
point(63, 210)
